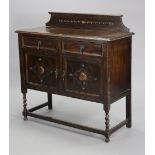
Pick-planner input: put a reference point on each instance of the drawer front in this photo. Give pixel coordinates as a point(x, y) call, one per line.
point(82, 47)
point(40, 43)
point(81, 77)
point(41, 70)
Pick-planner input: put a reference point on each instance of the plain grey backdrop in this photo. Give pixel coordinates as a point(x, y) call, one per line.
point(35, 137)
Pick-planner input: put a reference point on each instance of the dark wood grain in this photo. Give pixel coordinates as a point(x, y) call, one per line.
point(120, 66)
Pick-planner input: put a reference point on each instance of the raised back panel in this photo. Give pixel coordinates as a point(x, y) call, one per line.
point(85, 20)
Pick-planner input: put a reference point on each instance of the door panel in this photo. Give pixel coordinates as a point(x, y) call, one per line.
point(81, 76)
point(41, 69)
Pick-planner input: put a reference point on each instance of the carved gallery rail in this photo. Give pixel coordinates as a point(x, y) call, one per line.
point(83, 56)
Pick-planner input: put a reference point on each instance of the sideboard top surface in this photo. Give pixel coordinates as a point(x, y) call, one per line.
point(84, 26)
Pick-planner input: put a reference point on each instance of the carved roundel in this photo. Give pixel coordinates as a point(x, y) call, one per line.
point(82, 76)
point(40, 70)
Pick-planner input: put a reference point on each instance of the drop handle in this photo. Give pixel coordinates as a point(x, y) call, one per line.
point(56, 74)
point(82, 48)
point(39, 44)
point(63, 75)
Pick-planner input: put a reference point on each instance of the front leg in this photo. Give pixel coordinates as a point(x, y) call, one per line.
point(24, 106)
point(107, 125)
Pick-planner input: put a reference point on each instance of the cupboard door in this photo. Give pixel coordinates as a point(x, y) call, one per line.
point(81, 76)
point(41, 69)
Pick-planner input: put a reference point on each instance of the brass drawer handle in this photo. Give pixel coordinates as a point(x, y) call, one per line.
point(82, 49)
point(39, 44)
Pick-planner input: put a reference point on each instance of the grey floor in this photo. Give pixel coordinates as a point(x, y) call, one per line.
point(36, 137)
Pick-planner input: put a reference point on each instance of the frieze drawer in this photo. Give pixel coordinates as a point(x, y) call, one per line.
point(82, 47)
point(40, 43)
